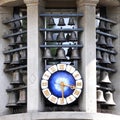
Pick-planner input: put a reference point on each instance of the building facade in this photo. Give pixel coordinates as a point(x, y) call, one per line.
point(45, 39)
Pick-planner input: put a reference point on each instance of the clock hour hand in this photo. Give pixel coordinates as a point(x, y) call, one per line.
point(62, 88)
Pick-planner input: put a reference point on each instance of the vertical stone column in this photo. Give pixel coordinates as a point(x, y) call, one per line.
point(88, 64)
point(34, 63)
point(113, 13)
point(5, 12)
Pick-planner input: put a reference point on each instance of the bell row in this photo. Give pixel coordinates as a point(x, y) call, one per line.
point(17, 40)
point(104, 26)
point(15, 57)
point(105, 42)
point(17, 98)
point(105, 98)
point(18, 77)
point(60, 54)
point(104, 57)
point(61, 22)
point(61, 36)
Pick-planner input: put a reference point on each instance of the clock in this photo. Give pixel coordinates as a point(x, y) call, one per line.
point(61, 84)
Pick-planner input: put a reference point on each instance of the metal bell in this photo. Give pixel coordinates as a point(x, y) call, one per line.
point(17, 23)
point(74, 54)
point(61, 54)
point(23, 54)
point(105, 59)
point(69, 52)
point(100, 96)
point(49, 36)
point(73, 36)
point(19, 40)
point(109, 98)
point(12, 100)
point(109, 42)
point(25, 79)
point(47, 53)
point(51, 22)
point(105, 77)
point(108, 26)
point(71, 21)
point(101, 40)
point(17, 77)
point(12, 42)
point(61, 22)
point(16, 58)
point(22, 97)
point(61, 36)
point(112, 58)
point(7, 58)
point(102, 25)
point(98, 55)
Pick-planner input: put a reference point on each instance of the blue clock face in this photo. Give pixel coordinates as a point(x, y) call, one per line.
point(61, 84)
point(56, 79)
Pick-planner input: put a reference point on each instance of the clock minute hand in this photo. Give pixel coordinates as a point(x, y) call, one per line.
point(71, 86)
point(62, 88)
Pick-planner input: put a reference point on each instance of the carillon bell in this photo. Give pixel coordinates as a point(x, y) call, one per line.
point(51, 22)
point(19, 40)
point(7, 58)
point(105, 59)
point(61, 54)
point(74, 54)
point(71, 21)
point(47, 53)
point(73, 36)
point(109, 98)
point(12, 100)
point(100, 96)
point(17, 23)
point(15, 58)
point(17, 77)
point(22, 97)
point(23, 54)
point(108, 26)
point(102, 25)
point(49, 36)
point(61, 36)
point(112, 58)
point(101, 40)
point(25, 78)
point(109, 42)
point(12, 42)
point(98, 55)
point(61, 22)
point(105, 77)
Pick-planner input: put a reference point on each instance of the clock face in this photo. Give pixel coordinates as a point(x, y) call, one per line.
point(61, 84)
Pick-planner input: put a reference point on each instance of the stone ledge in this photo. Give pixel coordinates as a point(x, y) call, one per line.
point(61, 116)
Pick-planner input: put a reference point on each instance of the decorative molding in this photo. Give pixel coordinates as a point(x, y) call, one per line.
point(87, 2)
point(10, 2)
point(34, 2)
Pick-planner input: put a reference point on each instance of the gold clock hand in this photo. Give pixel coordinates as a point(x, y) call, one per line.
point(71, 86)
point(62, 88)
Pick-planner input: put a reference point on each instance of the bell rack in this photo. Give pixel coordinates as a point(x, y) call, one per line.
point(106, 20)
point(62, 15)
point(15, 68)
point(16, 89)
point(106, 34)
point(105, 88)
point(14, 50)
point(13, 20)
point(106, 50)
point(58, 46)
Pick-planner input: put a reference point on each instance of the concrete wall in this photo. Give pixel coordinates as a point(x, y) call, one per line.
point(4, 78)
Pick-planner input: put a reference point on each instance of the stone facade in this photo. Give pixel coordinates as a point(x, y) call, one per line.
point(35, 67)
